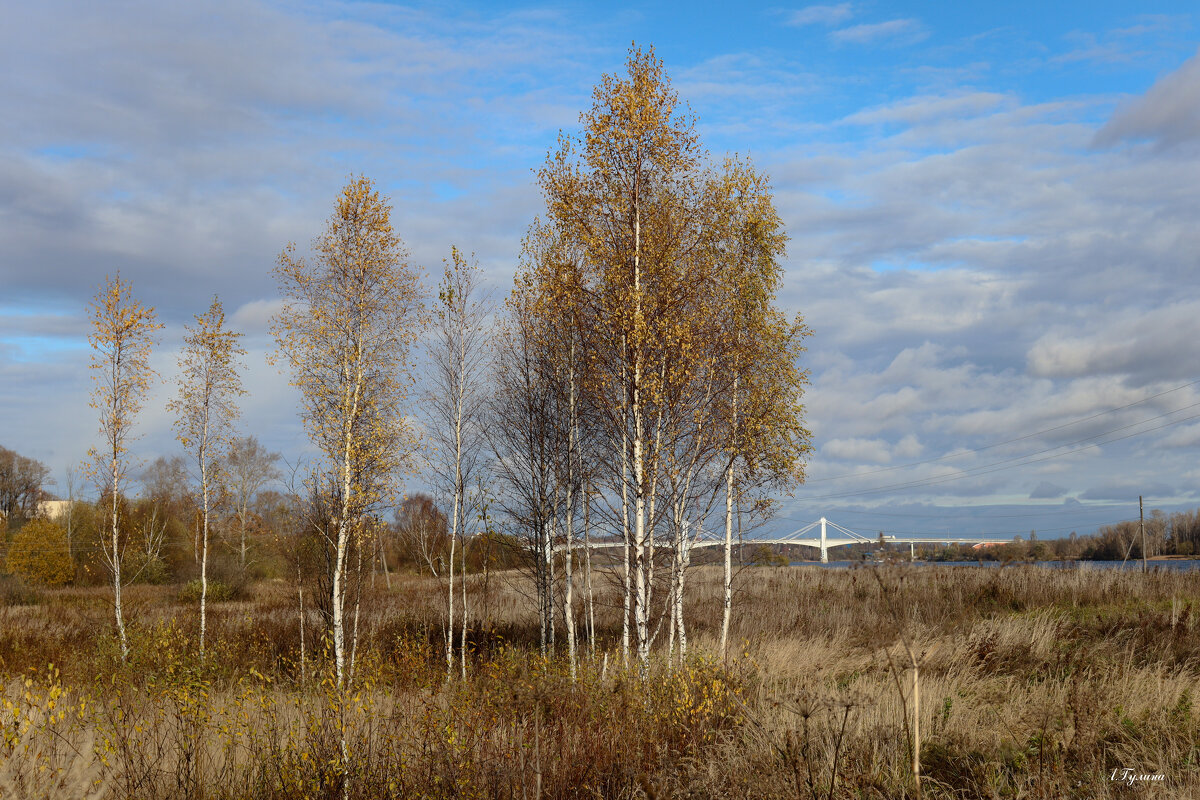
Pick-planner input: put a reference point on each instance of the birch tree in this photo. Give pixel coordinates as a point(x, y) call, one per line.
point(520, 433)
point(121, 339)
point(421, 527)
point(663, 254)
point(459, 364)
point(209, 385)
point(345, 331)
point(761, 410)
point(250, 466)
point(563, 316)
point(628, 193)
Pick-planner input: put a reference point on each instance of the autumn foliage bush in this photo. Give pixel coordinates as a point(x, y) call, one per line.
point(40, 554)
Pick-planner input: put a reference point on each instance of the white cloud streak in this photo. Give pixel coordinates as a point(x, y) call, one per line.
point(897, 31)
point(821, 15)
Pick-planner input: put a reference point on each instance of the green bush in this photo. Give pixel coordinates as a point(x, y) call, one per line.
point(218, 592)
point(39, 553)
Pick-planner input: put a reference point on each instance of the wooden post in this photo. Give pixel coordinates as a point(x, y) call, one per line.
point(916, 731)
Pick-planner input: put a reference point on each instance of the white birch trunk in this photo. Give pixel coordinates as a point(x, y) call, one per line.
point(569, 606)
point(204, 563)
point(204, 475)
point(303, 655)
point(641, 614)
point(728, 547)
point(115, 562)
point(242, 530)
point(458, 378)
point(728, 593)
point(344, 532)
point(450, 608)
point(550, 579)
point(674, 598)
point(626, 538)
point(357, 604)
point(462, 642)
point(543, 589)
point(343, 539)
point(339, 633)
point(387, 575)
point(671, 602)
point(587, 571)
point(641, 608)
point(339, 592)
point(648, 565)
point(684, 559)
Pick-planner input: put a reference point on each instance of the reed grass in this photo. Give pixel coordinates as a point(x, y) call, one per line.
point(1036, 684)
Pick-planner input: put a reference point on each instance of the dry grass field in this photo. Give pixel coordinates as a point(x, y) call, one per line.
point(1033, 683)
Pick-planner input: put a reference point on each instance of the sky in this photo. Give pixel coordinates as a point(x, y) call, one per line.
point(994, 212)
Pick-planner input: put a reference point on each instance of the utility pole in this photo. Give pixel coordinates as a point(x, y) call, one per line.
point(1142, 525)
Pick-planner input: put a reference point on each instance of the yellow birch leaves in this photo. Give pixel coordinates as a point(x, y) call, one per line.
point(121, 339)
point(349, 319)
point(209, 386)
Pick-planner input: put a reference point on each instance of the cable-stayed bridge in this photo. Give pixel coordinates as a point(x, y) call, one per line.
point(815, 534)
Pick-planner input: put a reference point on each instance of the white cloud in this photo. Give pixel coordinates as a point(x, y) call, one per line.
point(1187, 436)
point(908, 447)
point(899, 31)
point(917, 110)
point(1132, 341)
point(1128, 491)
point(253, 317)
point(1168, 114)
point(821, 15)
point(872, 451)
point(1047, 491)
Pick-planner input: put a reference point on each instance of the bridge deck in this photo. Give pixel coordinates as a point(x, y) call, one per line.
point(803, 542)
point(822, 542)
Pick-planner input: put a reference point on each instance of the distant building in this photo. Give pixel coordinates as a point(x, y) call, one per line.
point(53, 509)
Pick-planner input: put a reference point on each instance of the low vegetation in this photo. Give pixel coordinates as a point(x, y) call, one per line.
point(1034, 683)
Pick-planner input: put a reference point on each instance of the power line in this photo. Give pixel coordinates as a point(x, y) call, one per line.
point(1081, 509)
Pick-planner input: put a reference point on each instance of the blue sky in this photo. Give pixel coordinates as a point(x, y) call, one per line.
point(992, 208)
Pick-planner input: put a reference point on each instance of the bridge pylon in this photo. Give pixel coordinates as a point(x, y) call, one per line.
point(824, 548)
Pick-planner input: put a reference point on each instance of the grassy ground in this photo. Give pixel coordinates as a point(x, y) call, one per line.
point(1033, 684)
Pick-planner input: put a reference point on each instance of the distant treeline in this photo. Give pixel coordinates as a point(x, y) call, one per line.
point(261, 531)
point(266, 533)
point(1176, 534)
